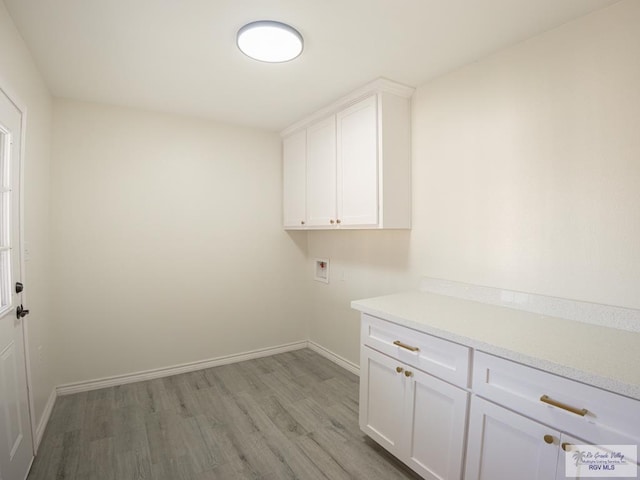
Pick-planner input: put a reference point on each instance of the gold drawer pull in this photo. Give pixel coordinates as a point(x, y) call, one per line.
point(408, 373)
point(548, 439)
point(404, 345)
point(567, 446)
point(578, 411)
point(399, 369)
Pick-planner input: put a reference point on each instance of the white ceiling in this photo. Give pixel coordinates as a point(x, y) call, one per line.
point(180, 55)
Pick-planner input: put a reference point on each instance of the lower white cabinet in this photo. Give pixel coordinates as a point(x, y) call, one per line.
point(382, 399)
point(523, 420)
point(506, 445)
point(416, 416)
point(522, 424)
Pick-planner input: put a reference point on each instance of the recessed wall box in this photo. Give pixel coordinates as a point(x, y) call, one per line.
point(321, 271)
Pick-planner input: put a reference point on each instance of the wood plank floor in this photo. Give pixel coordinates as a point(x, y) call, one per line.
point(289, 416)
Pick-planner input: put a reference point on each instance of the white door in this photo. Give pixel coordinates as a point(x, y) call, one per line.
point(382, 400)
point(16, 447)
point(503, 444)
point(357, 155)
point(437, 421)
point(321, 173)
point(294, 154)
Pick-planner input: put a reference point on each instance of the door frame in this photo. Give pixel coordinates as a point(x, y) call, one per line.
point(22, 107)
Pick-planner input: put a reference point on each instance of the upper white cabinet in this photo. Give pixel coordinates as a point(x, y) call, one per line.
point(321, 173)
point(357, 162)
point(295, 173)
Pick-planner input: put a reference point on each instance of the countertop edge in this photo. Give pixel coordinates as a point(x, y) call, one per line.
point(588, 378)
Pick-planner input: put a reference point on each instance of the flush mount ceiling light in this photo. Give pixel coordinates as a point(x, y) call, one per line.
point(270, 41)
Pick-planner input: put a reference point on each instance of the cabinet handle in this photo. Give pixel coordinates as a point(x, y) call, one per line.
point(331, 222)
point(399, 369)
point(548, 439)
point(408, 373)
point(404, 345)
point(549, 401)
point(301, 222)
point(567, 446)
point(338, 221)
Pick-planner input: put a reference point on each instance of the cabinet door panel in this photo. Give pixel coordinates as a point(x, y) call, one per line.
point(437, 427)
point(382, 397)
point(503, 444)
point(294, 152)
point(357, 176)
point(321, 173)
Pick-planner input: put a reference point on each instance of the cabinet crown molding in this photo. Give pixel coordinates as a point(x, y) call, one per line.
point(380, 85)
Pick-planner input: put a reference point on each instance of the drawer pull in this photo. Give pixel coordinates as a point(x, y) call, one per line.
point(578, 411)
point(399, 369)
point(404, 345)
point(408, 373)
point(548, 439)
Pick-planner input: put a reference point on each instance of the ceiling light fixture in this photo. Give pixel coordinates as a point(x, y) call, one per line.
point(270, 41)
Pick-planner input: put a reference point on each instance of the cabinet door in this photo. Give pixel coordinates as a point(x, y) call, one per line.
point(357, 155)
point(382, 399)
point(294, 153)
point(437, 415)
point(503, 444)
point(321, 173)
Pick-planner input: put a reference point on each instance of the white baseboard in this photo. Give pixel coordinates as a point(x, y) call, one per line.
point(334, 357)
point(175, 369)
point(44, 419)
point(116, 380)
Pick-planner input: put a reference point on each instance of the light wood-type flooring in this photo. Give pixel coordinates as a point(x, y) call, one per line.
point(292, 415)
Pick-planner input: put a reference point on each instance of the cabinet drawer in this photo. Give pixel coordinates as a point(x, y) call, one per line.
point(441, 358)
point(588, 412)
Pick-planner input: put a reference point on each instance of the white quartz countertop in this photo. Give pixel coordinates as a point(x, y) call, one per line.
point(601, 356)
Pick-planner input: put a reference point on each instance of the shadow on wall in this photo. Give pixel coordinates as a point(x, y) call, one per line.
point(299, 239)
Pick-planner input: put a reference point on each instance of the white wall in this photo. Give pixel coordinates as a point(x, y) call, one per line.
point(526, 176)
point(20, 77)
point(167, 240)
